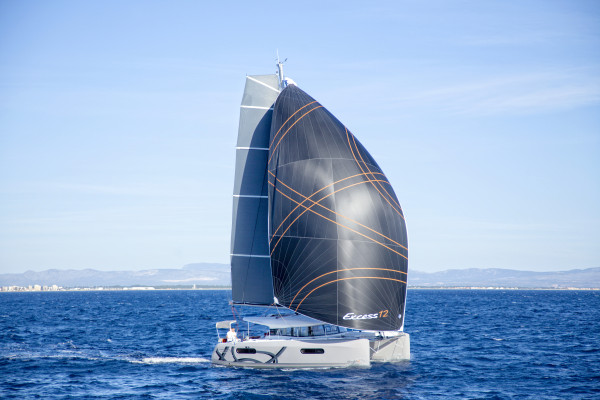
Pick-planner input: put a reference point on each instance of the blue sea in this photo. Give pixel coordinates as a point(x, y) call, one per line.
point(466, 344)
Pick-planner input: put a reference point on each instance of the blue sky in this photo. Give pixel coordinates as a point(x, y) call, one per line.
point(118, 122)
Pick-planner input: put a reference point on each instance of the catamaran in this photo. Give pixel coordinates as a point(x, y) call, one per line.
point(318, 239)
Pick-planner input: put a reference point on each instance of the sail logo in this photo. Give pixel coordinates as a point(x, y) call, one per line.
point(380, 314)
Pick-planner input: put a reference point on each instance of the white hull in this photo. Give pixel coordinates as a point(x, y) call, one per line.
point(311, 353)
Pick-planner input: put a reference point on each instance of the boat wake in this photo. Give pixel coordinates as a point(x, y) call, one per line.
point(171, 360)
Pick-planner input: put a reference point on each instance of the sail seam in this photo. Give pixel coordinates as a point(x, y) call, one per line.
point(250, 255)
point(326, 238)
point(252, 148)
point(252, 196)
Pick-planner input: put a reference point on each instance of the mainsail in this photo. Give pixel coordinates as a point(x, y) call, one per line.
point(250, 266)
point(338, 242)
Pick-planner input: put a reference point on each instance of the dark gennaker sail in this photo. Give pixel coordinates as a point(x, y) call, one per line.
point(337, 236)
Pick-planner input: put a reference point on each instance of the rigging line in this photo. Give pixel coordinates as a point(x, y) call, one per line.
point(288, 129)
point(308, 259)
point(343, 226)
point(343, 269)
point(308, 198)
point(368, 169)
point(234, 316)
point(361, 168)
point(345, 279)
point(322, 206)
point(286, 121)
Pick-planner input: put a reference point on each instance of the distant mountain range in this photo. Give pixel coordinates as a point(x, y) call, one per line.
point(497, 277)
point(192, 274)
point(204, 274)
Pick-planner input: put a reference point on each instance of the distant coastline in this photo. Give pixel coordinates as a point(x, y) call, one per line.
point(21, 289)
point(497, 288)
point(142, 289)
point(218, 276)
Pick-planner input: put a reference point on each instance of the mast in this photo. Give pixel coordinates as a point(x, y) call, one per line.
point(280, 75)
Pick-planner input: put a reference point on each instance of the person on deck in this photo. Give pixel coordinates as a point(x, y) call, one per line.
point(231, 335)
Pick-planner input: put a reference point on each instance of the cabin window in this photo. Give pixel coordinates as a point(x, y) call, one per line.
point(300, 331)
point(331, 329)
point(312, 351)
point(245, 351)
point(285, 332)
point(317, 330)
point(281, 332)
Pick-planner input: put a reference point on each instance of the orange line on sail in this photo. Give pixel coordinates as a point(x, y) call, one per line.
point(309, 209)
point(286, 121)
point(345, 279)
point(361, 168)
point(339, 270)
point(322, 206)
point(309, 198)
point(369, 169)
point(288, 129)
point(343, 226)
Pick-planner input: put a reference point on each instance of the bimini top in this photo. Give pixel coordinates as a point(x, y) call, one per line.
point(284, 321)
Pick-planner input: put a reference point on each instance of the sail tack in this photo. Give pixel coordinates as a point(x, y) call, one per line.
point(338, 243)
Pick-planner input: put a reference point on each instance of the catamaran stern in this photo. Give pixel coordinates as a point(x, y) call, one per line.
point(391, 349)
